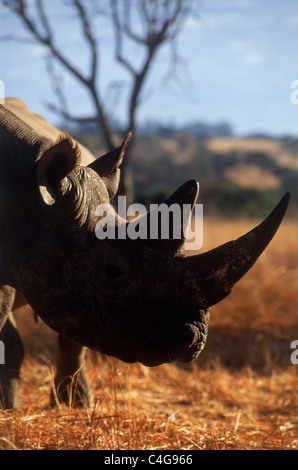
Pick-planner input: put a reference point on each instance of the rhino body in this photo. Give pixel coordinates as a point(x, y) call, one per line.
point(137, 300)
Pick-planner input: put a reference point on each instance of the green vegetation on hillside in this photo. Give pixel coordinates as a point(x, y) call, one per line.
point(238, 177)
point(234, 182)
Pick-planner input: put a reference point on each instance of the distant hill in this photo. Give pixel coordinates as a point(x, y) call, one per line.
point(238, 176)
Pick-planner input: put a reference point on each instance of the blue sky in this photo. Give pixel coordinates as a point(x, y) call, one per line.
point(240, 59)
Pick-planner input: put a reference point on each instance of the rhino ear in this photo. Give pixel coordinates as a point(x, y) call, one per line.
point(54, 165)
point(107, 167)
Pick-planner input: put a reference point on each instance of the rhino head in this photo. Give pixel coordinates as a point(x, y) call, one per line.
point(137, 300)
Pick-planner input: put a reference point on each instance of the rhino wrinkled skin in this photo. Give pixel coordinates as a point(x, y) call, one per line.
point(137, 300)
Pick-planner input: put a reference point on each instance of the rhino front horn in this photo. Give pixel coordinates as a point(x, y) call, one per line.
point(217, 271)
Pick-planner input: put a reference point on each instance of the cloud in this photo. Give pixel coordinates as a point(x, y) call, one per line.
point(192, 22)
point(253, 58)
point(292, 21)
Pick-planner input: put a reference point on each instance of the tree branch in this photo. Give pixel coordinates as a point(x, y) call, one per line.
point(66, 115)
point(45, 36)
point(158, 22)
point(44, 19)
point(89, 37)
point(15, 37)
point(118, 38)
point(19, 7)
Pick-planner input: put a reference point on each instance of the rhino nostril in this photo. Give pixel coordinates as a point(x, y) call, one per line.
point(112, 272)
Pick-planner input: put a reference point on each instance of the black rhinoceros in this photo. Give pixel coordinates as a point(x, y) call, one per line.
point(138, 300)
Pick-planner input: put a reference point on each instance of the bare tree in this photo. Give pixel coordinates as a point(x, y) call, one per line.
point(147, 23)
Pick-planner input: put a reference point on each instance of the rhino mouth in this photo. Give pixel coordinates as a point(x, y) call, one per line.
point(182, 343)
point(195, 347)
point(183, 346)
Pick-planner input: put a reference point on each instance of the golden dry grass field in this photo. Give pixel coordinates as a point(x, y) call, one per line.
point(240, 394)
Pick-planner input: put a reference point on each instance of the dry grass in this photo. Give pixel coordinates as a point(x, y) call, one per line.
point(160, 408)
point(241, 393)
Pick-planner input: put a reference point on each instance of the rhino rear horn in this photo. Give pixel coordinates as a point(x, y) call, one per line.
point(54, 165)
point(107, 166)
point(170, 220)
point(217, 271)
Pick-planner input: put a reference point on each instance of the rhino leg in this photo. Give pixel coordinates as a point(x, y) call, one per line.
point(71, 382)
point(10, 370)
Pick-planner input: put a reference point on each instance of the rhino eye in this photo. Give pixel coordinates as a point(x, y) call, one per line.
point(112, 272)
